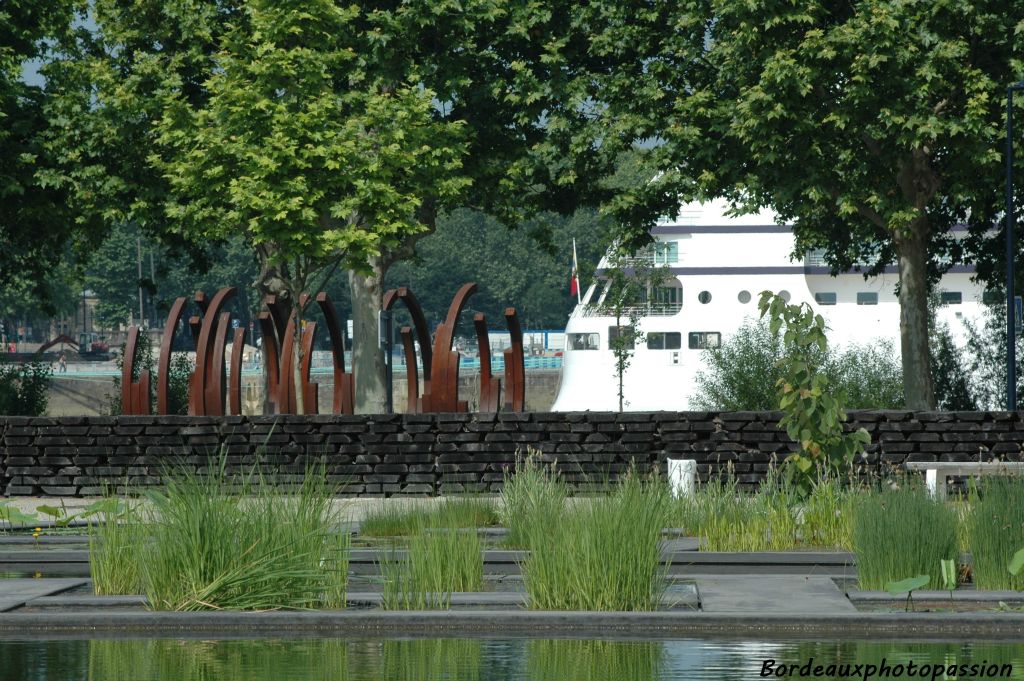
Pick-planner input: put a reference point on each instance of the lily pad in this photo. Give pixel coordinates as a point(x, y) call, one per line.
point(909, 584)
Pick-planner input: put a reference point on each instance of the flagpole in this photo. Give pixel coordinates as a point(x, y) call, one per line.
point(576, 273)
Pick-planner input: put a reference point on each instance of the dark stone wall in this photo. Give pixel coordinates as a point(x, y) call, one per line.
point(439, 453)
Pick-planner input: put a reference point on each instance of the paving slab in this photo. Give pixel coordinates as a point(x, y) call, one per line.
point(15, 593)
point(770, 594)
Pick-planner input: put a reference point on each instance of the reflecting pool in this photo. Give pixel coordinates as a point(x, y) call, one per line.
point(498, 660)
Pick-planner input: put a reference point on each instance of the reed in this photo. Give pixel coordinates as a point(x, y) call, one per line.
point(115, 551)
point(392, 520)
point(438, 560)
point(827, 514)
point(602, 554)
point(902, 533)
point(218, 543)
point(996, 531)
point(531, 495)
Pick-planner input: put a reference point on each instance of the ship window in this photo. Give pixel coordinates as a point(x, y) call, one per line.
point(867, 298)
point(584, 341)
point(614, 332)
point(658, 340)
point(666, 253)
point(993, 298)
point(825, 298)
point(704, 297)
point(951, 297)
point(702, 340)
point(744, 297)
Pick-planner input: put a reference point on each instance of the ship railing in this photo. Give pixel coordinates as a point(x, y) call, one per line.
point(642, 310)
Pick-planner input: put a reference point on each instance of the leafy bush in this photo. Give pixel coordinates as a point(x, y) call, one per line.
point(902, 533)
point(24, 388)
point(741, 375)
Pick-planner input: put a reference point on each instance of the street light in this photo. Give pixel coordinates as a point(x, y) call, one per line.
point(1011, 359)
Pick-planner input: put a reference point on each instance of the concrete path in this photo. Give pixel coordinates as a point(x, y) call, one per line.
point(770, 595)
point(14, 593)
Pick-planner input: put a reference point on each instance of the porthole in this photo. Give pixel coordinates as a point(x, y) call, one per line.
point(744, 297)
point(704, 297)
point(785, 295)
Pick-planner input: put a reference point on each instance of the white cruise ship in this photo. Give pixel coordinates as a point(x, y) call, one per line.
point(719, 265)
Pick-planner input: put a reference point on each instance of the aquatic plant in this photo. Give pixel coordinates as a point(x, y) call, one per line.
point(390, 520)
point(602, 553)
point(531, 494)
point(995, 531)
point(901, 532)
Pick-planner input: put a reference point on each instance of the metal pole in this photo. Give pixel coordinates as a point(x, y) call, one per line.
point(138, 260)
point(1011, 358)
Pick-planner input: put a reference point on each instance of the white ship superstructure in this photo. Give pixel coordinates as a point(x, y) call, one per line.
point(718, 266)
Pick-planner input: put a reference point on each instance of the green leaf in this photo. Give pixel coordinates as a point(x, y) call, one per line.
point(948, 574)
point(907, 585)
point(52, 511)
point(1016, 563)
point(16, 516)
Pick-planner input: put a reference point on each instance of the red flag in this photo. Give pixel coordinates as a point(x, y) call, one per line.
point(574, 282)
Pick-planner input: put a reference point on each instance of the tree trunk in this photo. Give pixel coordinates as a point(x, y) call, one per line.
point(367, 358)
point(918, 389)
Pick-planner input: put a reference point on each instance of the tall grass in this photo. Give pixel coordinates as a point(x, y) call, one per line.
point(729, 520)
point(391, 520)
point(996, 531)
point(827, 514)
point(531, 495)
point(902, 533)
point(439, 560)
point(115, 552)
point(217, 543)
point(601, 554)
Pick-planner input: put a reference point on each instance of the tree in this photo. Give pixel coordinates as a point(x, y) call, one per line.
point(874, 126)
point(630, 280)
point(36, 223)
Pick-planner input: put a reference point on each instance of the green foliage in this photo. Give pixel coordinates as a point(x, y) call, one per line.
point(530, 494)
point(813, 411)
point(602, 553)
point(438, 561)
point(908, 586)
point(996, 531)
point(24, 388)
point(390, 520)
point(114, 551)
point(985, 356)
point(901, 532)
point(630, 281)
point(241, 544)
point(741, 374)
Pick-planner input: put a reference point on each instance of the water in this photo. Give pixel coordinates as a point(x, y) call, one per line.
point(484, 660)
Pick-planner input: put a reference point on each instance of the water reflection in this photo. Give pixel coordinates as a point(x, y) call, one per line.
point(474, 659)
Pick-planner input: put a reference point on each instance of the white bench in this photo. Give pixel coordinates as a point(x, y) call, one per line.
point(937, 472)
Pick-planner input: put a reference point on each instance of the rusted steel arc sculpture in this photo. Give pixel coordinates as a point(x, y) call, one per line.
point(235, 386)
point(310, 390)
point(344, 386)
point(443, 394)
point(202, 396)
point(214, 391)
point(134, 394)
point(515, 365)
point(413, 403)
point(286, 379)
point(270, 358)
point(419, 323)
point(163, 386)
point(278, 313)
point(490, 386)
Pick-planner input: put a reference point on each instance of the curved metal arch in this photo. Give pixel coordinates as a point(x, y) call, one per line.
point(515, 365)
point(204, 383)
point(344, 386)
point(490, 386)
point(163, 384)
point(444, 387)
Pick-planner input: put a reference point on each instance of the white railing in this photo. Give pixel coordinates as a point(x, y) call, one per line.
point(643, 310)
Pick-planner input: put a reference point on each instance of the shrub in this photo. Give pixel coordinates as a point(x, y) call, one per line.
point(902, 533)
point(24, 388)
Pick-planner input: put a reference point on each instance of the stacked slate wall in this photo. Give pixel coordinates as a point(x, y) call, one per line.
point(439, 453)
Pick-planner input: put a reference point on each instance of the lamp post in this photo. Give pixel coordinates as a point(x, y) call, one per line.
point(1011, 359)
